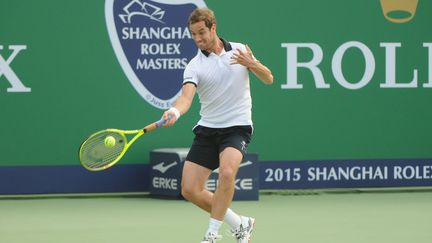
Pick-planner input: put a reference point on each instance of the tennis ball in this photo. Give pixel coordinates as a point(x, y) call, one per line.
point(109, 141)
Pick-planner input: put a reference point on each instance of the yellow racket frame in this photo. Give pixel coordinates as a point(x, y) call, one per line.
point(123, 134)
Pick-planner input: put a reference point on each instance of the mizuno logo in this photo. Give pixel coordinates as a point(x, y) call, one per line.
point(163, 168)
point(244, 145)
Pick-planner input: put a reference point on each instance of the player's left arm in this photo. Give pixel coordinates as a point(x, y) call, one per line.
point(246, 58)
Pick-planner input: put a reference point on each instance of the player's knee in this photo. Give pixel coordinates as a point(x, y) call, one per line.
point(187, 192)
point(226, 175)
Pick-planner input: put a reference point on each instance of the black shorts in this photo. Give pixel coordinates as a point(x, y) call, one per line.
point(210, 142)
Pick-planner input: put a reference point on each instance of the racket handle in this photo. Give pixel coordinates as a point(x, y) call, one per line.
point(161, 122)
point(155, 125)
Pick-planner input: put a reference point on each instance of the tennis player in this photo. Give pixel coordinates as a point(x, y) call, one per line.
point(219, 73)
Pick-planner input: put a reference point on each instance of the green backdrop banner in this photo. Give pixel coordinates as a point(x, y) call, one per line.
point(353, 79)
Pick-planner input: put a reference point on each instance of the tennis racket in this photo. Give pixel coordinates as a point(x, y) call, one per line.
point(105, 148)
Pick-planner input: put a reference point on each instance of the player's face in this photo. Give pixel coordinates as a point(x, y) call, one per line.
point(203, 36)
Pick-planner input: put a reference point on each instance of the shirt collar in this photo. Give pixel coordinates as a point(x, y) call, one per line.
point(226, 44)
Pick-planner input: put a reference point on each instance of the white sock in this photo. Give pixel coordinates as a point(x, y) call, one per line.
point(232, 219)
point(214, 226)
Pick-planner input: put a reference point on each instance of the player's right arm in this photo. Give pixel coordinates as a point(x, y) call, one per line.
point(182, 104)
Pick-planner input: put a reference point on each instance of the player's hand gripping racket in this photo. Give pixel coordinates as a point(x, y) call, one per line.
point(105, 148)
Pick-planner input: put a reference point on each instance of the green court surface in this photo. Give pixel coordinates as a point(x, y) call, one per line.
point(321, 217)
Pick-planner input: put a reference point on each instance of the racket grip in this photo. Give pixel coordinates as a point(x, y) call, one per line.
point(161, 122)
point(155, 125)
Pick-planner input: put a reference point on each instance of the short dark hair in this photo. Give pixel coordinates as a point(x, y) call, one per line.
point(202, 14)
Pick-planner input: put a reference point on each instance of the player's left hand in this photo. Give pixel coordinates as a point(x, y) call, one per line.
point(243, 58)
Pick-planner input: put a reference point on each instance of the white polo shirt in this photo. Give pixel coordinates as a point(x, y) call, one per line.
point(223, 89)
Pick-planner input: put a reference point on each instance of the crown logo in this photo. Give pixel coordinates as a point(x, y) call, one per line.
point(399, 11)
point(136, 7)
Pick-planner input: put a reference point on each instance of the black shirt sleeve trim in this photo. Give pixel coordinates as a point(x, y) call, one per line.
point(190, 82)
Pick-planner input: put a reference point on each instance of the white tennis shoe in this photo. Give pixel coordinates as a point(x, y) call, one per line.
point(244, 231)
point(211, 238)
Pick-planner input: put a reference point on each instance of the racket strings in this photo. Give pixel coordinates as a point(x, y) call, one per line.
point(95, 154)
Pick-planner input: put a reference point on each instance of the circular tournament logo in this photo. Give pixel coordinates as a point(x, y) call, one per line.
point(152, 42)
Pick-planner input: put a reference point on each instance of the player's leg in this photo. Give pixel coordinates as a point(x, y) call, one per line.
point(193, 189)
point(230, 159)
point(200, 162)
point(234, 148)
point(193, 182)
point(206, 156)
point(229, 163)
